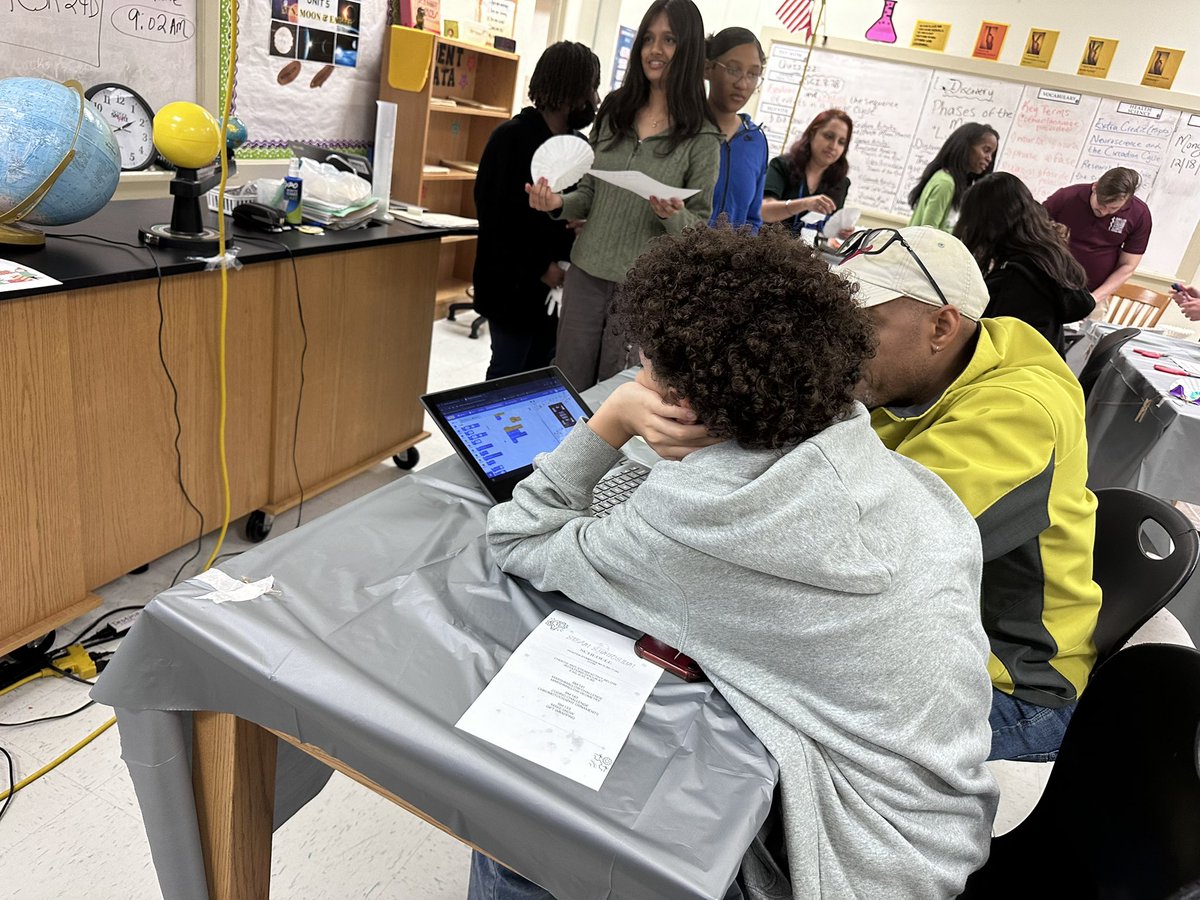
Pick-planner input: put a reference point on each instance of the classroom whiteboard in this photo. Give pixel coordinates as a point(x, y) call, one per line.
point(148, 45)
point(1049, 138)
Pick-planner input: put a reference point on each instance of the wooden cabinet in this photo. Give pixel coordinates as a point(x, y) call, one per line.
point(468, 93)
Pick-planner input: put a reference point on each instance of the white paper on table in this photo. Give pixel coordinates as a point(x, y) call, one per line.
point(643, 185)
point(566, 699)
point(225, 588)
point(18, 277)
point(845, 219)
point(812, 218)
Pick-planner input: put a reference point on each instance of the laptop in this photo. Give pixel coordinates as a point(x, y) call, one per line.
point(498, 427)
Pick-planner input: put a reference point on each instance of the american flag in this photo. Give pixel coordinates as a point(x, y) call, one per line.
point(796, 14)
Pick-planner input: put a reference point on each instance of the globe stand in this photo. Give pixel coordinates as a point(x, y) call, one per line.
point(21, 236)
point(187, 230)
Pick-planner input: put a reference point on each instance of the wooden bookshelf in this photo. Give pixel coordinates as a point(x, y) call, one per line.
point(427, 133)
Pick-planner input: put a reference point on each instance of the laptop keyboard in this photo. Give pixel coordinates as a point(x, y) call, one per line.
point(615, 487)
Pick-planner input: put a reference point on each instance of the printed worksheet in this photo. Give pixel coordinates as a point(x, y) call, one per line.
point(566, 699)
point(16, 277)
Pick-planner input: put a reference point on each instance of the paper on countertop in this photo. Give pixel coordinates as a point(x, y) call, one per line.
point(226, 588)
point(566, 699)
point(813, 218)
point(643, 185)
point(845, 219)
point(18, 277)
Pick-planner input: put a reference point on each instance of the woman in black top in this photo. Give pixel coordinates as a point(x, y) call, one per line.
point(811, 176)
point(1030, 273)
point(517, 255)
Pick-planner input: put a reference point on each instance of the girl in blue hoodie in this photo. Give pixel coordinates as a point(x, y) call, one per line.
point(733, 70)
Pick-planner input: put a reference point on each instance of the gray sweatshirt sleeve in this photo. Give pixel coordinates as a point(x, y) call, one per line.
point(547, 535)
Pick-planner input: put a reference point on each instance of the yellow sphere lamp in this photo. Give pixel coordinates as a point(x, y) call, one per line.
point(187, 135)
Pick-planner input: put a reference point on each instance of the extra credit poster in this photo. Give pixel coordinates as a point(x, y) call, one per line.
point(308, 71)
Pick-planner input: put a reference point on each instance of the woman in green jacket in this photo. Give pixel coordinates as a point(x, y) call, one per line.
point(968, 154)
point(658, 123)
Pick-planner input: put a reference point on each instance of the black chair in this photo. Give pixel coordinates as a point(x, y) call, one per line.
point(463, 307)
point(1120, 816)
point(1137, 583)
point(1106, 348)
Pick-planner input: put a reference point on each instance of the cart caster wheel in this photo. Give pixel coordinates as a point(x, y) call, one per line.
point(408, 459)
point(258, 526)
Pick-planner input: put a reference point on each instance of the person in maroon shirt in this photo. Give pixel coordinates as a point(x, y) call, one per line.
point(1109, 226)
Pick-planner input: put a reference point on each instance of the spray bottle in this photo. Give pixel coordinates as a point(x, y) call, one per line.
point(293, 190)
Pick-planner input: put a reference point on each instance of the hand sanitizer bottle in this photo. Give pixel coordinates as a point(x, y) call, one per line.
point(293, 190)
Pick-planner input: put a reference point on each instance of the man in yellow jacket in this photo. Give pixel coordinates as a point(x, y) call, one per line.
point(991, 408)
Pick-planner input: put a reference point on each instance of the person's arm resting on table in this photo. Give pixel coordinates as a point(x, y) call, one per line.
point(548, 535)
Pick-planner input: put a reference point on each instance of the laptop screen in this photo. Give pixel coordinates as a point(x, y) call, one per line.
point(498, 427)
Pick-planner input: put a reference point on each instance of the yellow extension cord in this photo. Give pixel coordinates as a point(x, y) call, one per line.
point(224, 314)
point(50, 673)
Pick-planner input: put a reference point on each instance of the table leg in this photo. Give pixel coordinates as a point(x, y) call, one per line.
point(233, 775)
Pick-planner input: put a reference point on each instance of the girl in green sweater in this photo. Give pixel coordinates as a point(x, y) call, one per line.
point(968, 154)
point(659, 123)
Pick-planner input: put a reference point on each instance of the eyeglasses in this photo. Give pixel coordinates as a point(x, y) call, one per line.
point(736, 74)
point(862, 244)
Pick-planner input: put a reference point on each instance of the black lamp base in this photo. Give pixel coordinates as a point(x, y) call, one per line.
point(206, 241)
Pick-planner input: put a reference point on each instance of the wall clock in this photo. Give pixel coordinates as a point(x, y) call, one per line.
point(131, 120)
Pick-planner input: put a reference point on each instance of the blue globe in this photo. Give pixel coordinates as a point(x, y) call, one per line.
point(37, 123)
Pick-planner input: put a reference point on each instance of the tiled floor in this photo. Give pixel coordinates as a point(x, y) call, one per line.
point(77, 830)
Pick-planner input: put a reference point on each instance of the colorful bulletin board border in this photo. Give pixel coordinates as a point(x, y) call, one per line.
point(990, 40)
point(1039, 48)
point(1162, 67)
point(1097, 57)
point(930, 35)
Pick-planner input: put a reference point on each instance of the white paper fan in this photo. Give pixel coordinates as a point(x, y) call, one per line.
point(562, 161)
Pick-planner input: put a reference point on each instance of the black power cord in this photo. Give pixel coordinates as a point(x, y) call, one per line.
point(303, 355)
point(12, 782)
point(167, 371)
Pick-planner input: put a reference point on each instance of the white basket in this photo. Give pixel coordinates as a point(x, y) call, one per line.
point(233, 196)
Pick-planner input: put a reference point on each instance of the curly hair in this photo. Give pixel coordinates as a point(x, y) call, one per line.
point(764, 341)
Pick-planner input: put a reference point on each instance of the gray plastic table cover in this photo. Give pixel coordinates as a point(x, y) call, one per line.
point(1138, 435)
point(391, 617)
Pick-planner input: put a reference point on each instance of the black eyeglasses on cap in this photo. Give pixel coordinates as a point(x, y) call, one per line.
point(862, 243)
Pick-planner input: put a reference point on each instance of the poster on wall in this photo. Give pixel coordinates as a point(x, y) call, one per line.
point(308, 71)
point(1162, 67)
point(930, 35)
point(621, 56)
point(1039, 48)
point(990, 41)
point(1097, 57)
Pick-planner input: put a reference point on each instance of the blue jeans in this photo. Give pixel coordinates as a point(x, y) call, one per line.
point(1025, 731)
point(491, 881)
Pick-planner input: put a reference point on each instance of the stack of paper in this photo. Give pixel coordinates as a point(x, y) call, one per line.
point(338, 218)
point(426, 219)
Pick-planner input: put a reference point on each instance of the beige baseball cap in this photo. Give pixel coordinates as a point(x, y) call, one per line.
point(894, 273)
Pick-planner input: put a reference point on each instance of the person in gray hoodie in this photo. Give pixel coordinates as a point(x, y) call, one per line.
point(828, 587)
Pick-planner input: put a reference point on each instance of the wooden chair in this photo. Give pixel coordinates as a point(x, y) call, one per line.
point(1136, 306)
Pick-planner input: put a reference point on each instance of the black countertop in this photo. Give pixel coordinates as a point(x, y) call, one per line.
point(75, 255)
